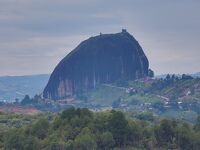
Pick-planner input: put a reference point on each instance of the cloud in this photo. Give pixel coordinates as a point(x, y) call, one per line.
point(36, 35)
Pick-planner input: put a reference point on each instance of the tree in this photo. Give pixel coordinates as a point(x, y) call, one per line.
point(168, 77)
point(197, 124)
point(68, 113)
point(173, 77)
point(57, 146)
point(196, 142)
point(184, 137)
point(146, 116)
point(36, 99)
point(164, 133)
point(26, 100)
point(106, 141)
point(135, 133)
point(16, 100)
point(118, 126)
point(40, 128)
point(31, 143)
point(85, 140)
point(14, 140)
point(69, 145)
point(186, 77)
point(150, 73)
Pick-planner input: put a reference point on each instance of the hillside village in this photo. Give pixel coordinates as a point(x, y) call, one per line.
point(159, 96)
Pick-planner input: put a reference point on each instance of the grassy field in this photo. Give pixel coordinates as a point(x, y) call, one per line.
point(16, 120)
point(105, 95)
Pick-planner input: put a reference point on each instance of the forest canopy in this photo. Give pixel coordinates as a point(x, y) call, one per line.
point(80, 128)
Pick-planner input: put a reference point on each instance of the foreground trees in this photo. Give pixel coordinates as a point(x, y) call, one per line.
point(84, 130)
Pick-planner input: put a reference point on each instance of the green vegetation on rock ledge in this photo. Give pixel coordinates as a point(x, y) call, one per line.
point(85, 130)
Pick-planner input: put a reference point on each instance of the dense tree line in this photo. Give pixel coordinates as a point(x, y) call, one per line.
point(170, 80)
point(81, 129)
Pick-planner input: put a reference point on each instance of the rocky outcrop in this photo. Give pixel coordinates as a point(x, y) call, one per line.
point(105, 58)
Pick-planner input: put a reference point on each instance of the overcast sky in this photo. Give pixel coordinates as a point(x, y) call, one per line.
point(36, 34)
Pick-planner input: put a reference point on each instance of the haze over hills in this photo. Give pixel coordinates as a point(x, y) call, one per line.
point(12, 87)
point(196, 74)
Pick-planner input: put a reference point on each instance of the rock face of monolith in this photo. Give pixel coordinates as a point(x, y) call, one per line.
point(106, 58)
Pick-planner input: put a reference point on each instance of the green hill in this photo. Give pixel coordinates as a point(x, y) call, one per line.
point(173, 97)
point(12, 87)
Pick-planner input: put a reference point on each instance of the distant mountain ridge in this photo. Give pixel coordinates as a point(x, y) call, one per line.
point(196, 74)
point(12, 87)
